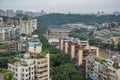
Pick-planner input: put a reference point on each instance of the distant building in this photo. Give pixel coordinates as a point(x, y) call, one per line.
point(42, 12)
point(19, 12)
point(34, 46)
point(28, 13)
point(116, 13)
point(54, 42)
point(27, 25)
point(30, 68)
point(2, 13)
point(8, 32)
point(14, 22)
point(10, 13)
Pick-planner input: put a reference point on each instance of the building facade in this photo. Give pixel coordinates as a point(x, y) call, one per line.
point(30, 69)
point(98, 68)
point(77, 49)
point(34, 46)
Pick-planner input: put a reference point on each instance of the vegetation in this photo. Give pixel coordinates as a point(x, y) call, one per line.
point(118, 46)
point(59, 19)
point(8, 75)
point(55, 19)
point(5, 57)
point(82, 33)
point(25, 18)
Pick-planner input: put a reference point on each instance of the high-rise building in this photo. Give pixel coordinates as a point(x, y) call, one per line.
point(27, 25)
point(30, 68)
point(10, 13)
point(2, 13)
point(34, 24)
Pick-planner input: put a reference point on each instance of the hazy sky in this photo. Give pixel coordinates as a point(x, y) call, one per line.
point(63, 6)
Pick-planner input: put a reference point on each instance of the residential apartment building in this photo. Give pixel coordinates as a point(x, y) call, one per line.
point(98, 68)
point(8, 32)
point(10, 13)
point(34, 24)
point(30, 68)
point(34, 46)
point(2, 13)
point(16, 46)
point(77, 49)
point(19, 12)
point(27, 25)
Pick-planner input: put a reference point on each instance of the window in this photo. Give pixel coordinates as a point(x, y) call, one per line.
point(23, 70)
point(26, 75)
point(16, 74)
point(26, 69)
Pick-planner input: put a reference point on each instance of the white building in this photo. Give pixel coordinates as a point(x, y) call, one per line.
point(30, 69)
point(27, 25)
point(10, 13)
point(34, 24)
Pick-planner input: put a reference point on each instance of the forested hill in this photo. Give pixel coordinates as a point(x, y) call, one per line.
point(58, 19)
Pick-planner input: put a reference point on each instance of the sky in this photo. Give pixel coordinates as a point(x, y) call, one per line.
point(62, 6)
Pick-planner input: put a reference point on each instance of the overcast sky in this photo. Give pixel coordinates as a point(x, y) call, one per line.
point(62, 6)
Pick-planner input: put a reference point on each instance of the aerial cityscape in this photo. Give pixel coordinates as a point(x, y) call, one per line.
point(60, 40)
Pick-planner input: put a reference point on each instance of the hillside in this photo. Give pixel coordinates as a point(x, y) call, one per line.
point(59, 19)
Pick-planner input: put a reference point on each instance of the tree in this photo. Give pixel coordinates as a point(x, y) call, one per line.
point(118, 46)
point(8, 75)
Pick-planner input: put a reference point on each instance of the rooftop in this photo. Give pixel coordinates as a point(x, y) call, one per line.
point(107, 62)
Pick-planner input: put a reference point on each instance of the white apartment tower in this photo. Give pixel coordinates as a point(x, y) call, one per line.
point(27, 25)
